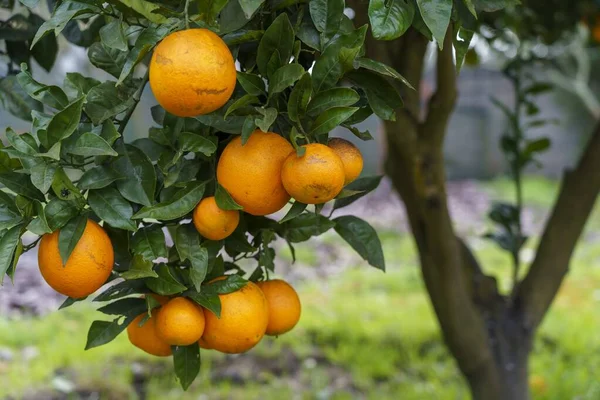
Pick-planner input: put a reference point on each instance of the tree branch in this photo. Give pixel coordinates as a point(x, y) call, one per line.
point(575, 202)
point(441, 104)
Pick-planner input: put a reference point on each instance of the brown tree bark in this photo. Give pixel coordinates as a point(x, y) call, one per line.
point(489, 335)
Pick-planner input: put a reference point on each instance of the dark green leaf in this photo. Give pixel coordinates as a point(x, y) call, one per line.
point(165, 284)
point(122, 289)
point(90, 144)
point(494, 5)
point(232, 283)
point(199, 259)
point(381, 69)
point(15, 100)
point(250, 6)
point(233, 124)
point(110, 206)
point(107, 59)
point(269, 115)
point(383, 97)
point(9, 213)
point(17, 28)
point(179, 205)
point(279, 37)
point(327, 15)
point(232, 17)
point(242, 36)
point(65, 122)
point(139, 268)
point(362, 237)
point(42, 176)
point(102, 332)
point(50, 95)
point(211, 302)
point(197, 144)
point(224, 199)
point(139, 181)
point(211, 8)
point(252, 84)
point(113, 35)
point(187, 240)
point(24, 142)
point(243, 101)
point(335, 97)
point(21, 184)
point(248, 128)
point(98, 177)
point(46, 50)
point(436, 15)
point(63, 187)
point(149, 242)
point(462, 40)
point(105, 101)
point(130, 307)
point(299, 98)
point(390, 19)
point(8, 245)
point(59, 212)
point(285, 77)
point(331, 118)
point(69, 236)
point(66, 11)
point(77, 85)
point(186, 361)
point(144, 43)
point(69, 301)
point(146, 9)
point(361, 187)
point(304, 226)
point(296, 209)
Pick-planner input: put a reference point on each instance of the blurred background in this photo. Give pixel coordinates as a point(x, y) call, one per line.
point(363, 333)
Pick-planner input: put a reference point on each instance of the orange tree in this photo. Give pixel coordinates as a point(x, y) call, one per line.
point(208, 171)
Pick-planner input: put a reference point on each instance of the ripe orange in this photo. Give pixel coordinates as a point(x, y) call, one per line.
point(316, 177)
point(144, 337)
point(162, 300)
point(252, 173)
point(203, 344)
point(350, 156)
point(284, 306)
point(180, 322)
point(87, 268)
point(243, 322)
point(192, 72)
point(212, 222)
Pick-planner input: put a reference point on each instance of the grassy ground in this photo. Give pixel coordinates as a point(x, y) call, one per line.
point(363, 334)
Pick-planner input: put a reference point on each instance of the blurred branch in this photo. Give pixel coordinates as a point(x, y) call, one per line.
point(578, 194)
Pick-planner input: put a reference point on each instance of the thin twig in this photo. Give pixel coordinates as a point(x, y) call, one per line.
point(187, 17)
point(136, 99)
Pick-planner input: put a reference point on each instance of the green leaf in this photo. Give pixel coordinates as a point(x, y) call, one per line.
point(211, 8)
point(330, 98)
point(279, 37)
point(105, 101)
point(50, 95)
point(63, 187)
point(107, 59)
point(305, 226)
point(243, 101)
point(242, 36)
point(197, 144)
point(90, 144)
point(331, 118)
point(98, 177)
point(199, 260)
point(21, 184)
point(149, 242)
point(8, 246)
point(383, 97)
point(69, 301)
point(9, 213)
point(145, 42)
point(186, 361)
point(285, 77)
point(113, 35)
point(39, 225)
point(64, 123)
point(69, 236)
point(46, 50)
point(65, 12)
point(233, 124)
point(327, 15)
point(102, 332)
point(390, 19)
point(77, 85)
point(232, 17)
point(53, 153)
point(187, 240)
point(224, 199)
point(232, 283)
point(211, 302)
point(269, 115)
point(139, 181)
point(494, 5)
point(461, 41)
point(17, 28)
point(122, 289)
point(130, 307)
point(59, 212)
point(252, 84)
point(146, 9)
point(110, 206)
point(381, 69)
point(250, 6)
point(138, 269)
point(299, 98)
point(15, 100)
point(182, 203)
point(25, 143)
point(362, 237)
point(436, 15)
point(42, 176)
point(296, 209)
point(165, 284)
point(361, 187)
point(248, 129)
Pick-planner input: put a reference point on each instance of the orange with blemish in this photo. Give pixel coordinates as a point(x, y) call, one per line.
point(192, 72)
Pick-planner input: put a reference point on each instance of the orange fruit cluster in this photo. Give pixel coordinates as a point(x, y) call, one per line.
point(271, 308)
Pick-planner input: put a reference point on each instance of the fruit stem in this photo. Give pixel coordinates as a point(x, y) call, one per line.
point(187, 17)
point(136, 99)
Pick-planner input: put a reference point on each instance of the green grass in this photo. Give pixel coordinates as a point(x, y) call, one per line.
point(363, 334)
